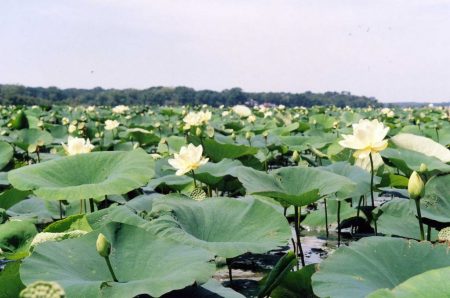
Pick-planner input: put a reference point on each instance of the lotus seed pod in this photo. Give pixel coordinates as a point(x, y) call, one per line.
point(198, 194)
point(103, 246)
point(43, 289)
point(444, 235)
point(423, 168)
point(415, 186)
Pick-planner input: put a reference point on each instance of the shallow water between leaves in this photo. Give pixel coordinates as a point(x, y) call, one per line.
point(249, 269)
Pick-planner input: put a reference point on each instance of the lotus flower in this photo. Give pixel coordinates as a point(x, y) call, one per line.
point(190, 158)
point(111, 124)
point(368, 137)
point(242, 111)
point(196, 118)
point(77, 146)
point(120, 109)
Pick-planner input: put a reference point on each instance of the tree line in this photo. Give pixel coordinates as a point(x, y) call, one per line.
point(23, 95)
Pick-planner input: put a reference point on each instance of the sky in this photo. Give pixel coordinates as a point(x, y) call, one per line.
point(394, 50)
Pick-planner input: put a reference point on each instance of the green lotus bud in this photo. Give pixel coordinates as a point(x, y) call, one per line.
point(415, 186)
point(423, 168)
point(210, 131)
point(32, 148)
point(103, 246)
point(233, 136)
point(198, 132)
point(295, 156)
point(248, 135)
point(43, 289)
point(265, 134)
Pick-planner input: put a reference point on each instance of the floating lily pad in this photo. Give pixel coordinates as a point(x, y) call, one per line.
point(85, 176)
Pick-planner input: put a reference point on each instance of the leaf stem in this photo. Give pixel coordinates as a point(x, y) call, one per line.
point(193, 176)
point(297, 233)
point(371, 189)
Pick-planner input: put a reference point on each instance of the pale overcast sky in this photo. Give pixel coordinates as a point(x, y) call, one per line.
point(394, 50)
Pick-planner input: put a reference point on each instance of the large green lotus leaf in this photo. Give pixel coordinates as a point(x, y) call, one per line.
point(173, 145)
point(34, 209)
point(10, 283)
point(85, 176)
point(435, 203)
point(171, 181)
point(213, 173)
point(29, 136)
point(397, 219)
point(408, 160)
point(15, 238)
point(423, 145)
point(432, 283)
point(6, 153)
point(301, 143)
point(375, 263)
point(142, 136)
point(355, 174)
point(294, 185)
point(12, 196)
point(142, 262)
point(225, 226)
point(217, 151)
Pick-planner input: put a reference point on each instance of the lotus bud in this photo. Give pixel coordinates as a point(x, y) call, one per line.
point(198, 132)
point(415, 186)
point(233, 136)
point(295, 156)
point(31, 148)
point(265, 134)
point(157, 125)
point(423, 168)
point(40, 143)
point(163, 141)
point(103, 246)
point(248, 135)
point(210, 131)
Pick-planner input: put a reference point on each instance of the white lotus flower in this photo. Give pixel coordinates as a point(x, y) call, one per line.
point(111, 124)
point(251, 118)
point(77, 146)
point(190, 158)
point(368, 137)
point(90, 108)
point(120, 109)
point(72, 128)
point(242, 111)
point(196, 118)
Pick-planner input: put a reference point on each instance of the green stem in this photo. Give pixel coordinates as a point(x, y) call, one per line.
point(193, 176)
point(91, 205)
point(326, 217)
point(419, 216)
point(339, 222)
point(371, 189)
point(111, 269)
point(297, 233)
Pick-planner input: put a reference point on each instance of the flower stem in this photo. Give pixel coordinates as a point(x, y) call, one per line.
point(419, 216)
point(371, 188)
point(110, 269)
point(193, 176)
